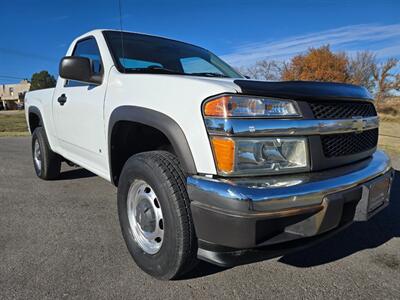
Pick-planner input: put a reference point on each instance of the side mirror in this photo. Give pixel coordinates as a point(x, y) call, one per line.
point(79, 69)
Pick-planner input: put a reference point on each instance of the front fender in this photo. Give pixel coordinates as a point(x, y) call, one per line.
point(160, 121)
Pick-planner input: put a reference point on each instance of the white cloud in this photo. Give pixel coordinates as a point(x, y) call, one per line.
point(382, 39)
point(389, 51)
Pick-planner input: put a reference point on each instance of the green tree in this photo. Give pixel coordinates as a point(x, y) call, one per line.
point(42, 80)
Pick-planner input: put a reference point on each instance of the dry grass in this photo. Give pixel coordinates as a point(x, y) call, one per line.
point(12, 123)
point(389, 140)
point(389, 131)
point(389, 110)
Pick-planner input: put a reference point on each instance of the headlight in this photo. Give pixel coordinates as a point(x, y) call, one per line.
point(249, 106)
point(236, 156)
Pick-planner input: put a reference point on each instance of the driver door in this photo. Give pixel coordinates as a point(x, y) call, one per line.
point(78, 114)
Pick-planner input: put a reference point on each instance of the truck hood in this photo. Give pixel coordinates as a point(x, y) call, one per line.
point(296, 90)
point(304, 90)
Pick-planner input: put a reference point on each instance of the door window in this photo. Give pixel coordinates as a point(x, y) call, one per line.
point(88, 48)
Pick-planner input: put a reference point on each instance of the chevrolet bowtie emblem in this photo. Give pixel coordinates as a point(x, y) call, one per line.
point(358, 124)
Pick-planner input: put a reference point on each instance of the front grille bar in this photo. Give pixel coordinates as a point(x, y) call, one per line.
point(278, 127)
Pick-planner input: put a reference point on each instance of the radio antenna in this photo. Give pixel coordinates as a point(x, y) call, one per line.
point(122, 34)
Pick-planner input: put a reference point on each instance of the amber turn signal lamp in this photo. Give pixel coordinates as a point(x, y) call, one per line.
point(220, 107)
point(224, 153)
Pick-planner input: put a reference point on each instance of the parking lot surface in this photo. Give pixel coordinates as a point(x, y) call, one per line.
point(61, 239)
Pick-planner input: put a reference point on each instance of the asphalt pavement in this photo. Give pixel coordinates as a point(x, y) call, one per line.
point(61, 239)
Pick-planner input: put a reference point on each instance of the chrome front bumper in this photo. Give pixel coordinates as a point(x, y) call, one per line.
point(251, 212)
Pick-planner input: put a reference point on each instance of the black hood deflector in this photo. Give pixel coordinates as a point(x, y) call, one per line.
point(304, 90)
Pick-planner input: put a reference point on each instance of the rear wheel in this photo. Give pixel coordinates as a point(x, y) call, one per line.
point(155, 217)
point(47, 163)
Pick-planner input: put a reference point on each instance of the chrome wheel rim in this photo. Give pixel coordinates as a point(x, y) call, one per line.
point(145, 217)
point(37, 155)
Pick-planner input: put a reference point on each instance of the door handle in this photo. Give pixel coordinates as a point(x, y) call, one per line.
point(62, 99)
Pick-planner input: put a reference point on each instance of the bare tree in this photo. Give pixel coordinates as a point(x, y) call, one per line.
point(264, 70)
point(386, 80)
point(250, 72)
point(361, 69)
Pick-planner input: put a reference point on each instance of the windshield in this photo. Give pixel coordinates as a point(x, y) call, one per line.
point(139, 53)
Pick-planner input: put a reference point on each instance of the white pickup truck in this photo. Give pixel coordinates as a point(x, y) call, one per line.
point(208, 164)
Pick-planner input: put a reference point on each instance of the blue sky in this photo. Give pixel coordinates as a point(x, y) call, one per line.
point(35, 34)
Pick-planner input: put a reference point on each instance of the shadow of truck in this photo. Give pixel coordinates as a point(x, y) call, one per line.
point(359, 236)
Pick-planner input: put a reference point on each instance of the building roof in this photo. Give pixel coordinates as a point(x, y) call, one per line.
point(13, 91)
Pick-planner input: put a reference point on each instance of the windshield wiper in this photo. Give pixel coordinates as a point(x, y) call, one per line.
point(209, 74)
point(154, 70)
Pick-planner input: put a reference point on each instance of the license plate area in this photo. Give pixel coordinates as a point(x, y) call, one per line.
point(374, 198)
point(378, 194)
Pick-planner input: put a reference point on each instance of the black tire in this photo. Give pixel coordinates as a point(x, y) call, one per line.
point(177, 255)
point(50, 162)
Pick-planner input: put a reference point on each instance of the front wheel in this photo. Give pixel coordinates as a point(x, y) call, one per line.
point(155, 217)
point(47, 163)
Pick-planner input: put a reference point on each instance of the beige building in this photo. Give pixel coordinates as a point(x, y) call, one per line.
point(12, 95)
